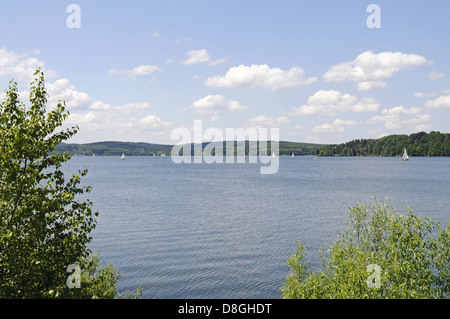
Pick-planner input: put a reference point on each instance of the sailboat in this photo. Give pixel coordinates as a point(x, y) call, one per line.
point(292, 154)
point(273, 154)
point(405, 156)
point(122, 157)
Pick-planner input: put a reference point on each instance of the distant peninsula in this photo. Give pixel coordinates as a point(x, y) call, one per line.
point(417, 144)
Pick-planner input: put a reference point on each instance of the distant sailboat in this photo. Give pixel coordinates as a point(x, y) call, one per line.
point(122, 157)
point(273, 154)
point(292, 154)
point(405, 156)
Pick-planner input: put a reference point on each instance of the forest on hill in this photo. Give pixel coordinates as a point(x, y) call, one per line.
point(147, 149)
point(417, 144)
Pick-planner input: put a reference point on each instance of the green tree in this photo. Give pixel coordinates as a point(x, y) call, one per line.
point(44, 228)
point(380, 254)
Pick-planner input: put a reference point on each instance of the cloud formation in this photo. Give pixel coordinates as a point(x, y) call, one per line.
point(442, 102)
point(432, 94)
point(243, 76)
point(369, 70)
point(63, 90)
point(338, 125)
point(201, 56)
point(434, 76)
point(330, 102)
point(212, 104)
point(140, 70)
point(21, 66)
point(133, 107)
point(400, 117)
point(263, 121)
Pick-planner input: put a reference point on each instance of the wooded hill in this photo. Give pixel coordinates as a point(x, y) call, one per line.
point(417, 144)
point(148, 149)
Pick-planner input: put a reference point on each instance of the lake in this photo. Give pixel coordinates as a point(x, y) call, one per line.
point(225, 230)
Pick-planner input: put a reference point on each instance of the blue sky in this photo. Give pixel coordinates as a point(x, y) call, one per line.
point(137, 70)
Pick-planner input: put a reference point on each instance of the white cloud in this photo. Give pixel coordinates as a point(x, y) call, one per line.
point(369, 85)
point(140, 70)
point(432, 94)
point(212, 104)
point(264, 121)
point(96, 119)
point(399, 110)
point(218, 61)
point(312, 139)
point(377, 133)
point(402, 118)
point(201, 56)
point(21, 66)
point(442, 102)
point(99, 105)
point(330, 102)
point(101, 125)
point(433, 76)
point(197, 56)
point(82, 118)
point(153, 122)
point(370, 69)
point(133, 107)
point(338, 125)
point(62, 90)
point(243, 76)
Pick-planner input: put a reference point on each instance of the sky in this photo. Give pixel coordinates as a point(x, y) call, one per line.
point(319, 71)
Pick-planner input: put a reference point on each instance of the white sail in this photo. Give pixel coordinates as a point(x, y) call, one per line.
point(405, 156)
point(122, 157)
point(292, 154)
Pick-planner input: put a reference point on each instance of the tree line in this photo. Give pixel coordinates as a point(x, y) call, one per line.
point(116, 148)
point(434, 143)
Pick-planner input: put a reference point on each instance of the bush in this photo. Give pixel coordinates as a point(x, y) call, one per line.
point(380, 254)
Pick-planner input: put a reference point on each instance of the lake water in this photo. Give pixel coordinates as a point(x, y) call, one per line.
point(225, 230)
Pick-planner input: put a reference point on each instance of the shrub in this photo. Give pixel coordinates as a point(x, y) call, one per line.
point(380, 254)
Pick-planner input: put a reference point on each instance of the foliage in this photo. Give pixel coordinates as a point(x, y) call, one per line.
point(413, 255)
point(43, 227)
point(417, 144)
point(98, 281)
